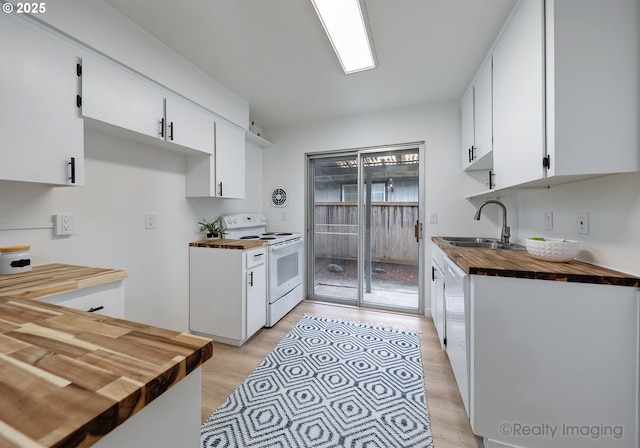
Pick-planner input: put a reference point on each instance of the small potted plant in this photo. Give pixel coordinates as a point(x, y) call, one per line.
point(213, 229)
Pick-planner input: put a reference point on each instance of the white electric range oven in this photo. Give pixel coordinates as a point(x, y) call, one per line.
point(284, 261)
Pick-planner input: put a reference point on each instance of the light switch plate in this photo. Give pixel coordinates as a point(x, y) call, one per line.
point(433, 217)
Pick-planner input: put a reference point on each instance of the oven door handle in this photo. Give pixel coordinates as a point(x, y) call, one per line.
point(294, 246)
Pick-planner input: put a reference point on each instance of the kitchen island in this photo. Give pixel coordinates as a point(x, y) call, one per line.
point(69, 377)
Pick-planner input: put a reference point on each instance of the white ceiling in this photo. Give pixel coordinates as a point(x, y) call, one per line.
point(275, 53)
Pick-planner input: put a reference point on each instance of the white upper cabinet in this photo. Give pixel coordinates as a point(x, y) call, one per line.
point(593, 86)
point(41, 130)
point(118, 97)
point(221, 175)
point(518, 97)
point(230, 160)
point(482, 159)
point(467, 116)
point(477, 125)
point(115, 96)
point(566, 97)
point(188, 126)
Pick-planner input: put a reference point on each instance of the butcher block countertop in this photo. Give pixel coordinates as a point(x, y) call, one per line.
point(519, 264)
point(51, 279)
point(228, 244)
point(69, 377)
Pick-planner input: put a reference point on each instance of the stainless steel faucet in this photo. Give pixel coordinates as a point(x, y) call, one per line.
point(506, 230)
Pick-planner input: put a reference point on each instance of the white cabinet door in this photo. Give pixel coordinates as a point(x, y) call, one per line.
point(468, 127)
point(188, 126)
point(518, 98)
point(477, 122)
point(593, 86)
point(256, 278)
point(437, 302)
point(227, 300)
point(221, 175)
point(112, 95)
point(483, 117)
point(554, 354)
point(230, 161)
point(40, 125)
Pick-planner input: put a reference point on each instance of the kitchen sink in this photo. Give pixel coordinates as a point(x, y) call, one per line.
point(479, 243)
point(467, 239)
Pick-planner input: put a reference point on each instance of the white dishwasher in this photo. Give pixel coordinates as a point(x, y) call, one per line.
point(227, 293)
point(456, 293)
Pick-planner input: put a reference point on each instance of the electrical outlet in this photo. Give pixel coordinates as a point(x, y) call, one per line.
point(63, 225)
point(150, 220)
point(583, 223)
point(548, 220)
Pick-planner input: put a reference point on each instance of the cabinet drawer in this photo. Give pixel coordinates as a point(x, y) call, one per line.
point(106, 299)
point(256, 257)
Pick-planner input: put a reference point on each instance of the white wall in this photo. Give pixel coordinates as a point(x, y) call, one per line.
point(125, 180)
point(438, 125)
point(613, 203)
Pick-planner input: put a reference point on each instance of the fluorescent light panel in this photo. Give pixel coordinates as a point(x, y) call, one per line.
point(344, 23)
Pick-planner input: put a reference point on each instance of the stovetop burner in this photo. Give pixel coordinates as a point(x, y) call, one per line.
point(250, 226)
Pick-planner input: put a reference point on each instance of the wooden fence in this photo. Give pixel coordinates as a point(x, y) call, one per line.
point(392, 231)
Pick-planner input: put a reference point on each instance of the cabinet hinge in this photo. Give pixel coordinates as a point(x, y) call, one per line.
point(546, 161)
point(78, 101)
point(78, 69)
point(444, 341)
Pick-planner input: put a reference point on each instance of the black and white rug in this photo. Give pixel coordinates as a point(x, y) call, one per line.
point(329, 383)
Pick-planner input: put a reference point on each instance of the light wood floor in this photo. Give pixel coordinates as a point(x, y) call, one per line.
point(229, 366)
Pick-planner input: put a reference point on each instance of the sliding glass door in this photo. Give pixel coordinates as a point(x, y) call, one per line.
point(364, 208)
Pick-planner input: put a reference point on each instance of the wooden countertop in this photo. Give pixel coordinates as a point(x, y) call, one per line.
point(51, 279)
point(228, 244)
point(519, 264)
point(69, 377)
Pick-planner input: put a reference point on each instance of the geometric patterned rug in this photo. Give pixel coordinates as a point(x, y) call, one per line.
point(329, 383)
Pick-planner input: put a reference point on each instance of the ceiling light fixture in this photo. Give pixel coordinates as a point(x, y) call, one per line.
point(345, 24)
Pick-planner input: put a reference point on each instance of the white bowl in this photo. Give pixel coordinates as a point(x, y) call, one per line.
point(552, 249)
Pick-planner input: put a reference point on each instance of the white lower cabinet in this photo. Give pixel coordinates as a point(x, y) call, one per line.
point(107, 299)
point(554, 364)
point(227, 293)
point(40, 124)
point(171, 420)
point(437, 292)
